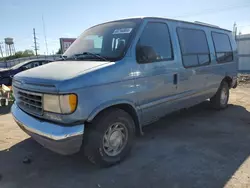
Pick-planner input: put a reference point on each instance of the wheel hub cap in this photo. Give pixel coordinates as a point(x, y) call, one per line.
point(115, 139)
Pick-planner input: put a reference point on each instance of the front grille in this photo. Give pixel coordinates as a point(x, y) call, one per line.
point(29, 101)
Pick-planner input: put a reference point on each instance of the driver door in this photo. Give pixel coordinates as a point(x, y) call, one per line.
point(158, 80)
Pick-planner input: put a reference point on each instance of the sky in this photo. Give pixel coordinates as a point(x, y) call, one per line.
point(69, 18)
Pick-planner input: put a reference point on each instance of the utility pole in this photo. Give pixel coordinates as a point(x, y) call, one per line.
point(235, 30)
point(1, 50)
point(35, 42)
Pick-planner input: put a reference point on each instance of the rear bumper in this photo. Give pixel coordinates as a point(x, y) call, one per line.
point(60, 139)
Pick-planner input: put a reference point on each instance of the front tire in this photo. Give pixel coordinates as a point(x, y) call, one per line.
point(220, 99)
point(109, 137)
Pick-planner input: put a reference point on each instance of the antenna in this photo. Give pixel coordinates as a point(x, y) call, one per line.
point(206, 24)
point(45, 37)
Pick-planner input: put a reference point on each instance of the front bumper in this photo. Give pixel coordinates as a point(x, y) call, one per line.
point(65, 140)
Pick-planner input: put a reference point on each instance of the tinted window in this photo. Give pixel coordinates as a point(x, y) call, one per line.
point(192, 41)
point(35, 64)
point(32, 65)
point(154, 44)
point(222, 47)
point(194, 47)
point(44, 62)
point(28, 66)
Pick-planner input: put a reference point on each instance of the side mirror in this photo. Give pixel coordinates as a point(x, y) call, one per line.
point(145, 54)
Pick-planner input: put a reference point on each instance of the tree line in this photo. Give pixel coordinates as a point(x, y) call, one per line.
point(25, 53)
point(19, 54)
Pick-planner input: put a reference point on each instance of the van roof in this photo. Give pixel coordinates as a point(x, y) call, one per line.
point(162, 18)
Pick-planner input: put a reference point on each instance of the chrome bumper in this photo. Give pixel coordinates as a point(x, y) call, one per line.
point(61, 139)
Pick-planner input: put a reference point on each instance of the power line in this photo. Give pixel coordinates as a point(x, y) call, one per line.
point(244, 26)
point(209, 11)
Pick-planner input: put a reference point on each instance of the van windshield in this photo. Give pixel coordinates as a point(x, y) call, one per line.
point(109, 41)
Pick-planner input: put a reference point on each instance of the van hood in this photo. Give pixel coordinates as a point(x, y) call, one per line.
point(52, 74)
point(62, 70)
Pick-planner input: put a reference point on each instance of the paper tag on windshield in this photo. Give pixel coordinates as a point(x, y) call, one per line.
point(122, 31)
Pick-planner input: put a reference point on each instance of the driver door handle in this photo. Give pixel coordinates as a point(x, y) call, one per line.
point(175, 79)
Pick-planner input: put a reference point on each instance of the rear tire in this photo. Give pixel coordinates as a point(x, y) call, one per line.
point(109, 138)
point(220, 99)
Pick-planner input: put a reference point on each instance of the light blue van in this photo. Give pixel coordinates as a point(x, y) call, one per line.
point(120, 76)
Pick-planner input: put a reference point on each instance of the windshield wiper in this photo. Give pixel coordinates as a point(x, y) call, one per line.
point(92, 54)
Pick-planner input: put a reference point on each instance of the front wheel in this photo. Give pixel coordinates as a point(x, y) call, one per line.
point(220, 99)
point(109, 138)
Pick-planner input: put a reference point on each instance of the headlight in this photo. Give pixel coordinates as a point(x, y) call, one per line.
point(63, 104)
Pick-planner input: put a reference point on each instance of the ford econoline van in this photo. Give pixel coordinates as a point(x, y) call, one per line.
point(120, 76)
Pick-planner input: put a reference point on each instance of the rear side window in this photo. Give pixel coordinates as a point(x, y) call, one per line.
point(223, 48)
point(154, 44)
point(44, 62)
point(194, 47)
point(35, 64)
point(28, 66)
point(32, 65)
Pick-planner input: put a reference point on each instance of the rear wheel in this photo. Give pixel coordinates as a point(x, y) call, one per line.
point(220, 99)
point(109, 138)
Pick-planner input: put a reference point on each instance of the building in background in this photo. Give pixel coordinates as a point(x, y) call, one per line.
point(65, 43)
point(243, 44)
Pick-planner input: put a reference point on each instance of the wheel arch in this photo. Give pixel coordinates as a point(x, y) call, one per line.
point(228, 80)
point(123, 105)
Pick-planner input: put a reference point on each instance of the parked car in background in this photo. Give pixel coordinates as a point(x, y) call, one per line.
point(120, 76)
point(7, 74)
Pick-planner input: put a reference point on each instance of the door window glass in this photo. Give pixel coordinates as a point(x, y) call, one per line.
point(154, 44)
point(194, 47)
point(223, 48)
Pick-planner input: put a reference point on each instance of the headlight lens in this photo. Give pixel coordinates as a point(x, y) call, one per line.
point(63, 104)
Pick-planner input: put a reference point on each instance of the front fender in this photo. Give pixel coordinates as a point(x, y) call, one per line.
point(108, 104)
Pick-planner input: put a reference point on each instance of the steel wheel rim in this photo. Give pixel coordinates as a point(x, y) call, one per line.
point(115, 139)
point(223, 96)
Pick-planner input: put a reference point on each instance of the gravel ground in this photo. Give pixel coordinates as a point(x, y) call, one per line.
point(198, 147)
